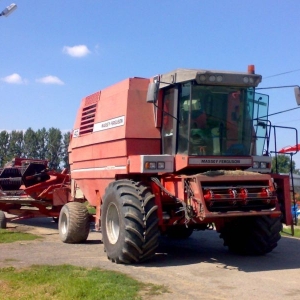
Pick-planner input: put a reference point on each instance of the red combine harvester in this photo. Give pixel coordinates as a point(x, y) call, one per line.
point(183, 151)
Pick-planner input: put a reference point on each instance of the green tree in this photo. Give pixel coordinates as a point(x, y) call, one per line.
point(283, 164)
point(15, 144)
point(30, 146)
point(54, 148)
point(4, 139)
point(42, 140)
point(65, 154)
point(49, 145)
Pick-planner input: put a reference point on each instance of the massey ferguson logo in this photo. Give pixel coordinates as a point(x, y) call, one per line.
point(220, 161)
point(119, 121)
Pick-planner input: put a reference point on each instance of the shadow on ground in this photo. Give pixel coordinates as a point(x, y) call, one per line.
point(207, 247)
point(201, 247)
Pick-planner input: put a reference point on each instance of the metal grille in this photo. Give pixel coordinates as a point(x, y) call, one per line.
point(243, 197)
point(87, 119)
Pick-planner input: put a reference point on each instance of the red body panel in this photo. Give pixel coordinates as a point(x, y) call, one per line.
point(284, 196)
point(122, 125)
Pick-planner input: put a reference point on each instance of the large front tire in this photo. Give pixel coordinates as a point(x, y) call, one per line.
point(73, 223)
point(252, 235)
point(129, 222)
point(2, 220)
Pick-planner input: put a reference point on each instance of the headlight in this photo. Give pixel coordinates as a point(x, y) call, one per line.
point(255, 165)
point(202, 77)
point(246, 79)
point(263, 165)
point(212, 78)
point(219, 78)
point(161, 165)
point(260, 165)
point(150, 165)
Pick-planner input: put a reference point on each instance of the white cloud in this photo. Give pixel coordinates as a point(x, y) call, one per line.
point(50, 80)
point(76, 51)
point(14, 79)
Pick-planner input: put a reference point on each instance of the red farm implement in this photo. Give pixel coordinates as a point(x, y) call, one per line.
point(29, 189)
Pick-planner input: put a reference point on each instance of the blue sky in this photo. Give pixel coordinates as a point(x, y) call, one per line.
point(53, 53)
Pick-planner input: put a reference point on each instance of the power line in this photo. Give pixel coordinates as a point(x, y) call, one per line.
point(280, 112)
point(297, 70)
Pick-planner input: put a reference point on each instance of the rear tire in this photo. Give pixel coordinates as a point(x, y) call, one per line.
point(2, 220)
point(252, 235)
point(73, 223)
point(129, 222)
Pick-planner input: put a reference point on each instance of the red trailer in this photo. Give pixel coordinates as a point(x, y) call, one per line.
point(29, 189)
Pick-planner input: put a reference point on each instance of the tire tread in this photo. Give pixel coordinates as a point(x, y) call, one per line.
point(137, 205)
point(252, 235)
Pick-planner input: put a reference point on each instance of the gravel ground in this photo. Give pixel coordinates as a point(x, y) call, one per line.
point(197, 268)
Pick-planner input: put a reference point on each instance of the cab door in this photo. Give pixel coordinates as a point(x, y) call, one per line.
point(260, 122)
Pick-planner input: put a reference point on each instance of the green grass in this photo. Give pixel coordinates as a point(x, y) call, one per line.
point(91, 209)
point(287, 231)
point(70, 282)
point(9, 236)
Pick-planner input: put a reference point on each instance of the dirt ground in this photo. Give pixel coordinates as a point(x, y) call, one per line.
point(197, 268)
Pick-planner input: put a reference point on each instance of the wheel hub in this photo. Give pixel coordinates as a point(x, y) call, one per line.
point(112, 223)
point(64, 224)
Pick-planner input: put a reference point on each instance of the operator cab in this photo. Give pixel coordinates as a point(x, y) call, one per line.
point(212, 114)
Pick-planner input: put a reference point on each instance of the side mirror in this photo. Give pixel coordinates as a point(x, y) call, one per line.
point(297, 94)
point(152, 92)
